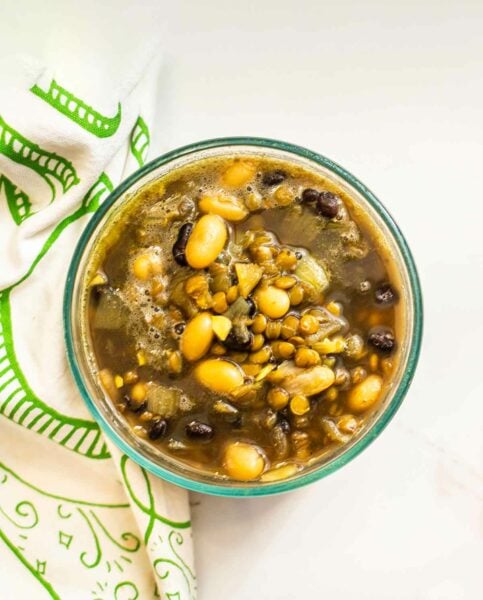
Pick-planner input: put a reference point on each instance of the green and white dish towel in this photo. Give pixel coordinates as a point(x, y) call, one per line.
point(78, 519)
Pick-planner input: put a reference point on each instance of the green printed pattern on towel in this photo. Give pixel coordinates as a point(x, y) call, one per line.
point(50, 166)
point(162, 536)
point(18, 201)
point(76, 109)
point(18, 402)
point(140, 140)
point(93, 538)
point(97, 194)
point(91, 534)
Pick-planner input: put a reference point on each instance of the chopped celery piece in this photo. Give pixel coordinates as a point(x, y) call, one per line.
point(162, 400)
point(311, 272)
point(248, 276)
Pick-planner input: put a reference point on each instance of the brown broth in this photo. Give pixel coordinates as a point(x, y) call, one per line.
point(133, 321)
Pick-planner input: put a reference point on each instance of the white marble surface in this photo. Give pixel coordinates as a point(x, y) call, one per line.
point(394, 92)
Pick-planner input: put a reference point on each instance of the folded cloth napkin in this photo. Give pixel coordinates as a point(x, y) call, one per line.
point(78, 519)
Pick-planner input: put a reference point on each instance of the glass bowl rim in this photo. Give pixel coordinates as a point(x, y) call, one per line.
point(324, 469)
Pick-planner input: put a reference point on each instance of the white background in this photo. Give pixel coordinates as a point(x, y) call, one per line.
point(394, 92)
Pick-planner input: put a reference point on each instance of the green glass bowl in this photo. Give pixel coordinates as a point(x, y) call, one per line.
point(82, 362)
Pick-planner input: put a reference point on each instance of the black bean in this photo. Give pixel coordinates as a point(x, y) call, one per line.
point(327, 205)
point(179, 328)
point(239, 339)
point(274, 177)
point(136, 407)
point(382, 339)
point(252, 307)
point(310, 195)
point(385, 295)
point(198, 430)
point(179, 247)
point(158, 429)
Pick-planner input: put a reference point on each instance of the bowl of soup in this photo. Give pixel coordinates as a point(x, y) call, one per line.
point(242, 316)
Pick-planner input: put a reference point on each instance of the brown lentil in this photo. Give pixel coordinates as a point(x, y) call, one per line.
point(257, 342)
point(282, 349)
point(285, 282)
point(278, 398)
point(232, 294)
point(290, 326)
point(308, 325)
point(261, 356)
point(219, 302)
point(305, 357)
point(259, 323)
point(296, 295)
point(273, 330)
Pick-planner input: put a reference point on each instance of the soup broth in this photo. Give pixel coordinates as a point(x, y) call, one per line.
point(243, 318)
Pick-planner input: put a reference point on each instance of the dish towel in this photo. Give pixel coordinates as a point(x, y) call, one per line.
point(78, 519)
